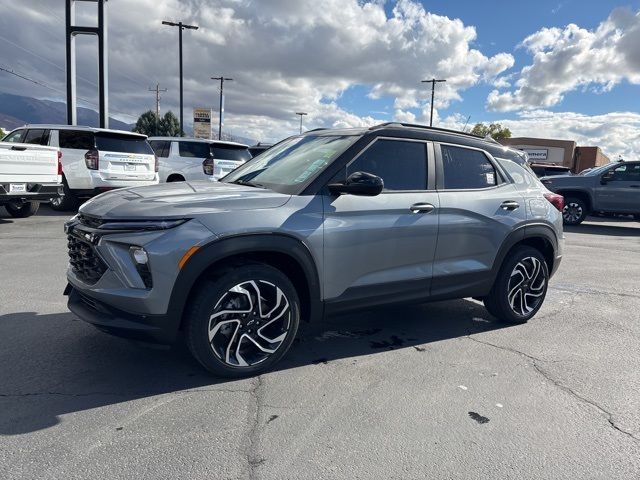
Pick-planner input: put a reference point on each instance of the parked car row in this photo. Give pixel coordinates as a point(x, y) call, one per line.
point(95, 160)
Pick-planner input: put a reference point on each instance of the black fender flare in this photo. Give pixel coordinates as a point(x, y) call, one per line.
point(226, 247)
point(523, 232)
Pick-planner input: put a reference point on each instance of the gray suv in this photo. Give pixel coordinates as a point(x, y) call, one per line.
point(324, 222)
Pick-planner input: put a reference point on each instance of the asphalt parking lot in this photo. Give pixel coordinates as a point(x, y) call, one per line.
point(431, 391)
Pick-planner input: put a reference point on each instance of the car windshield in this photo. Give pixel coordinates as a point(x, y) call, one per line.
point(293, 163)
point(598, 170)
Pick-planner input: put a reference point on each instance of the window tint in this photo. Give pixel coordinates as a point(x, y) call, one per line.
point(465, 168)
point(194, 149)
point(627, 173)
point(14, 137)
point(122, 144)
point(401, 165)
point(225, 152)
point(160, 147)
point(77, 139)
point(37, 137)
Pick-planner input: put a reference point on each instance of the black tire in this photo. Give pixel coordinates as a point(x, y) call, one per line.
point(66, 202)
point(232, 344)
point(532, 290)
point(22, 210)
point(575, 211)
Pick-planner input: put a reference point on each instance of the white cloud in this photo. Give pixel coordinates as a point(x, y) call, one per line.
point(284, 55)
point(574, 57)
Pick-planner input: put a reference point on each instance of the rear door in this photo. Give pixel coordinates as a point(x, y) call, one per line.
point(125, 157)
point(622, 192)
point(162, 149)
point(479, 208)
point(74, 144)
point(383, 247)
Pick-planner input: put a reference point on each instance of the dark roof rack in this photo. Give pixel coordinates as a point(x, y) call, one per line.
point(316, 129)
point(425, 127)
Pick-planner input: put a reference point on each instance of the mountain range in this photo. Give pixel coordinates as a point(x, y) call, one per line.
point(16, 110)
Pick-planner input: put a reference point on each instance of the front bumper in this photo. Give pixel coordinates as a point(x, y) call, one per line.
point(36, 192)
point(149, 328)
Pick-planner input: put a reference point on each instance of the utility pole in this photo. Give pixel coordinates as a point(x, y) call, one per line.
point(433, 82)
point(302, 114)
point(157, 90)
point(181, 26)
point(222, 79)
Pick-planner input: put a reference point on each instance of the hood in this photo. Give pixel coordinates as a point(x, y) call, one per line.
point(181, 199)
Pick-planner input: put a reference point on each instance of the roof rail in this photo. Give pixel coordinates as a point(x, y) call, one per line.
point(316, 129)
point(425, 127)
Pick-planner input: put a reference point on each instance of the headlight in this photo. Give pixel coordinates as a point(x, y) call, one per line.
point(146, 225)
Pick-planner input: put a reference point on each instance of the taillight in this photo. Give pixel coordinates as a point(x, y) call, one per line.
point(555, 200)
point(207, 166)
point(91, 159)
point(156, 164)
point(59, 162)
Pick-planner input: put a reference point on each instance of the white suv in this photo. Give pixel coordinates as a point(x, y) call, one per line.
point(93, 160)
point(197, 159)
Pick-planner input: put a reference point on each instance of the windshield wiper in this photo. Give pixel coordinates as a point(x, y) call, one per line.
point(248, 183)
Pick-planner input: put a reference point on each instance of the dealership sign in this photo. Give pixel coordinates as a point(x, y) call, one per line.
point(202, 123)
point(538, 154)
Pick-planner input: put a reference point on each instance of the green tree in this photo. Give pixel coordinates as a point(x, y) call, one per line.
point(2, 133)
point(149, 124)
point(496, 130)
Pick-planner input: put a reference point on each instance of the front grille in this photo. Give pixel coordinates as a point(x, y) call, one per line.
point(90, 221)
point(84, 261)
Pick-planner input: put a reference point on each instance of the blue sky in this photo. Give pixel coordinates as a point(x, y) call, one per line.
point(501, 26)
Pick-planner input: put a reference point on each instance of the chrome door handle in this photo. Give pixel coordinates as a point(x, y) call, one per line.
point(509, 205)
point(422, 208)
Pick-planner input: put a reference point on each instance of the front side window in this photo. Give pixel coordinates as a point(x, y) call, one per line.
point(14, 137)
point(293, 163)
point(627, 173)
point(465, 168)
point(194, 149)
point(76, 139)
point(402, 165)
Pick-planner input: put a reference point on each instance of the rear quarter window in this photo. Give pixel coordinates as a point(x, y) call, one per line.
point(194, 149)
point(123, 144)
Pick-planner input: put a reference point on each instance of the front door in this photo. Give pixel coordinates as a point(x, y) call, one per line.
point(382, 247)
point(620, 193)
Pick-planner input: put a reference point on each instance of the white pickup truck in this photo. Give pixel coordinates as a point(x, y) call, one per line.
point(29, 174)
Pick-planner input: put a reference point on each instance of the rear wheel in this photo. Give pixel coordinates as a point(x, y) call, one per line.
point(244, 321)
point(575, 211)
point(520, 287)
point(175, 178)
point(22, 210)
point(66, 202)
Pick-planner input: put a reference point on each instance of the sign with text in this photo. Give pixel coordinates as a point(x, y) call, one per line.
point(537, 154)
point(202, 123)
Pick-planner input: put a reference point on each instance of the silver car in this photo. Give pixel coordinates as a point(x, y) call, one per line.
point(324, 222)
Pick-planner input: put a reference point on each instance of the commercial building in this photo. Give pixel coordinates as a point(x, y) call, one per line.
point(558, 152)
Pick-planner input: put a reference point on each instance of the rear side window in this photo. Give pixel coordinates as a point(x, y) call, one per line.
point(465, 168)
point(194, 149)
point(225, 152)
point(37, 137)
point(160, 147)
point(77, 139)
point(401, 165)
point(122, 144)
point(14, 137)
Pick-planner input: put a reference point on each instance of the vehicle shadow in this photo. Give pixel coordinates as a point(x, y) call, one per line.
point(630, 229)
point(56, 365)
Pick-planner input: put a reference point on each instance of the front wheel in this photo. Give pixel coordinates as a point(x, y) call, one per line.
point(575, 211)
point(520, 287)
point(242, 322)
point(22, 210)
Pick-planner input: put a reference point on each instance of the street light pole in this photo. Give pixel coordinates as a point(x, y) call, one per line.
point(222, 78)
point(302, 114)
point(433, 82)
point(181, 26)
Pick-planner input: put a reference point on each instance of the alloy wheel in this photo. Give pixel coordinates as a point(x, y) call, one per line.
point(526, 286)
point(572, 212)
point(250, 322)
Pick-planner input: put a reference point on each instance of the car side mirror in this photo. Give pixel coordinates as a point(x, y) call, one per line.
point(359, 183)
point(606, 178)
